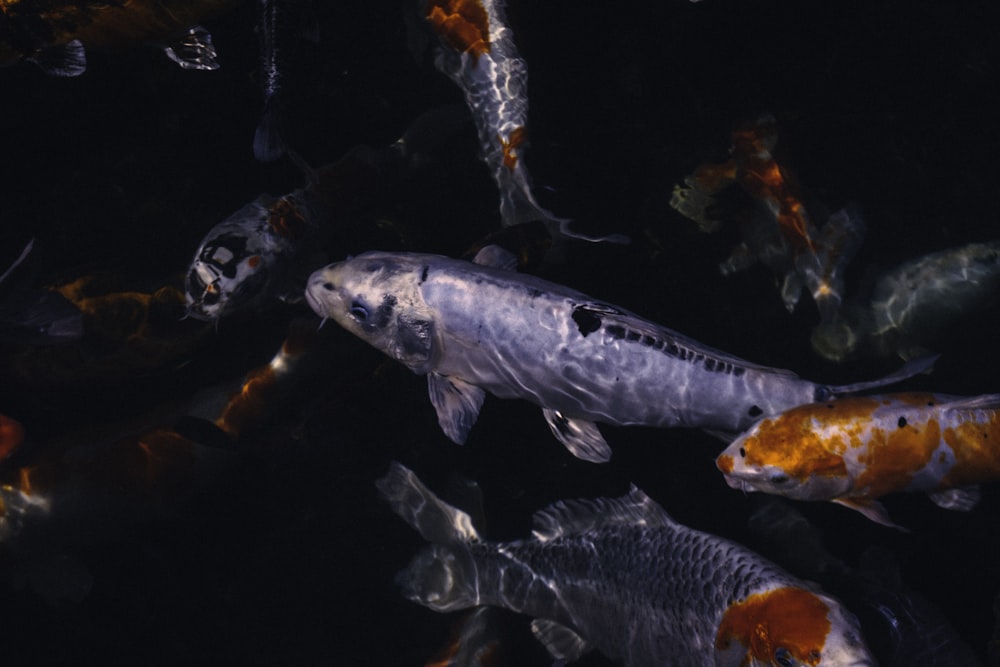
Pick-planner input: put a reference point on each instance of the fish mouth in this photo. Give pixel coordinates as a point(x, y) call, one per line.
point(315, 303)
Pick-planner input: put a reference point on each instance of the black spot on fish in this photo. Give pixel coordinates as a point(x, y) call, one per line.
point(755, 411)
point(673, 350)
point(587, 321)
point(615, 331)
point(902, 422)
point(738, 371)
point(648, 341)
point(710, 364)
point(423, 274)
point(659, 344)
point(633, 336)
point(535, 293)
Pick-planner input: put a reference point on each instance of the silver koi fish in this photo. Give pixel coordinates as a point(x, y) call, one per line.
point(622, 577)
point(474, 329)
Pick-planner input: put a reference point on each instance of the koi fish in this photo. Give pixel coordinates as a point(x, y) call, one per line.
point(247, 258)
point(782, 235)
point(262, 253)
point(53, 34)
point(478, 53)
point(477, 328)
point(854, 450)
point(912, 303)
point(622, 577)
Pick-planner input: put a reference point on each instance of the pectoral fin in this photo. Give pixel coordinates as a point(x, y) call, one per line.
point(581, 438)
point(457, 403)
point(960, 500)
point(872, 509)
point(561, 642)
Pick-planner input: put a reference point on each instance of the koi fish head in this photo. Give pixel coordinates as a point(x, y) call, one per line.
point(788, 456)
point(234, 265)
point(790, 627)
point(376, 296)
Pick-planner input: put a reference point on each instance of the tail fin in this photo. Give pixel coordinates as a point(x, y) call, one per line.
point(443, 576)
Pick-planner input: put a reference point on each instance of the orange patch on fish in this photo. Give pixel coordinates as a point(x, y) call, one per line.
point(286, 220)
point(725, 463)
point(518, 137)
point(789, 618)
point(463, 24)
point(253, 261)
point(976, 446)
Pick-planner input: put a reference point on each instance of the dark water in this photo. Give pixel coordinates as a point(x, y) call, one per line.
point(288, 556)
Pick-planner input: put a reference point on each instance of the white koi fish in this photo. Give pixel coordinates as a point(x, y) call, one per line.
point(474, 329)
point(854, 450)
point(622, 577)
point(478, 53)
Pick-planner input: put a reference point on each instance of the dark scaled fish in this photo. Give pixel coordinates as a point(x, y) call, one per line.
point(622, 577)
point(54, 34)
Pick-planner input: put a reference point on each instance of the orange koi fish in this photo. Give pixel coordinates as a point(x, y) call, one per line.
point(783, 236)
point(11, 436)
point(854, 450)
point(478, 53)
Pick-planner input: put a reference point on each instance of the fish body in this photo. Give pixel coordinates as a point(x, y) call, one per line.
point(912, 303)
point(854, 450)
point(55, 33)
point(622, 577)
point(477, 52)
point(475, 329)
point(780, 234)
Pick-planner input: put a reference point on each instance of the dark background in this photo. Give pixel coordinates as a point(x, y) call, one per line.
point(290, 557)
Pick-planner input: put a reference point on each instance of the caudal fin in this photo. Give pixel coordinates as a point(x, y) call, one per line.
point(442, 576)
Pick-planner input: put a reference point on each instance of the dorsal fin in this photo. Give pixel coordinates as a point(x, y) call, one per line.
point(572, 517)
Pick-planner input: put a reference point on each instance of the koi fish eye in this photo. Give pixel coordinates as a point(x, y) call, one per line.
point(359, 311)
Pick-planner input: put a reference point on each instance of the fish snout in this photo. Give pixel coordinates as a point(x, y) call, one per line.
point(321, 291)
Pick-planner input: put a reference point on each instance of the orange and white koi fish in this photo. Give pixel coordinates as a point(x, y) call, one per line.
point(478, 53)
point(854, 450)
point(620, 576)
point(783, 236)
